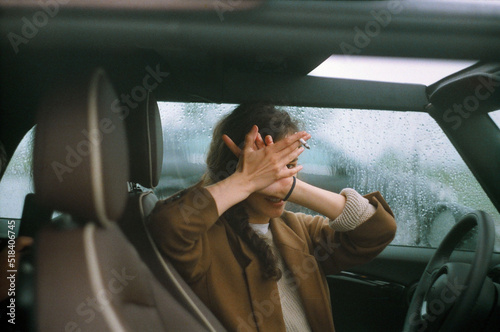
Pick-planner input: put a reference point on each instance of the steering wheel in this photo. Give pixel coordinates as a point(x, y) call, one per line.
point(447, 291)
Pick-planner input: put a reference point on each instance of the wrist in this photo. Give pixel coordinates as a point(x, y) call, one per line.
point(229, 192)
point(292, 187)
point(244, 185)
point(326, 203)
point(357, 210)
point(295, 195)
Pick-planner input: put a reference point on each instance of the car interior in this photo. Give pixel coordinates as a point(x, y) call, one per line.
point(92, 80)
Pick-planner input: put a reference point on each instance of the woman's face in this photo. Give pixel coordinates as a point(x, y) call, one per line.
point(261, 207)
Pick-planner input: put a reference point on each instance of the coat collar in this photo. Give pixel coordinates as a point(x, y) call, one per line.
point(304, 267)
point(307, 274)
point(286, 238)
point(288, 243)
point(264, 294)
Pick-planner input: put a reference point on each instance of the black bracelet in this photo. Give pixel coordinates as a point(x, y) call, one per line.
point(291, 189)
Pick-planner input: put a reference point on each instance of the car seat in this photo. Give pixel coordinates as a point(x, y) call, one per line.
point(145, 141)
point(90, 277)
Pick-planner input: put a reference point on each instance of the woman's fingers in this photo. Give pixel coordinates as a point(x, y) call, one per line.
point(265, 161)
point(259, 142)
point(288, 158)
point(292, 152)
point(231, 145)
point(251, 137)
point(290, 143)
point(288, 149)
point(306, 136)
point(287, 172)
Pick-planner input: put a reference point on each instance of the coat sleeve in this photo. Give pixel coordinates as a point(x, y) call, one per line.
point(179, 226)
point(336, 251)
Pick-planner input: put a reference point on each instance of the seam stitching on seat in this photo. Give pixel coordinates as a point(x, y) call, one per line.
point(95, 278)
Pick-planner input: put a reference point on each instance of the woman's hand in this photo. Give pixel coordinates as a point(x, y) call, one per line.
point(259, 167)
point(257, 144)
point(263, 166)
point(280, 187)
point(322, 201)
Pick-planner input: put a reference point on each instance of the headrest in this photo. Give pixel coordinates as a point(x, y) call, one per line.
point(80, 154)
point(145, 141)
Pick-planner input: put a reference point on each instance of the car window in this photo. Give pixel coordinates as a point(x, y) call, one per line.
point(404, 155)
point(495, 116)
point(16, 183)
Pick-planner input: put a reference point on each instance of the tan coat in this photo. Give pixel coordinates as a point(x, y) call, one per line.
point(226, 275)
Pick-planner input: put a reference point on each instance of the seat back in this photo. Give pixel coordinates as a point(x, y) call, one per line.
point(145, 142)
point(90, 278)
point(145, 139)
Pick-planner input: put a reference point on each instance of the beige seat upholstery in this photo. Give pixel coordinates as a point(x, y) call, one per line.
point(90, 278)
point(145, 139)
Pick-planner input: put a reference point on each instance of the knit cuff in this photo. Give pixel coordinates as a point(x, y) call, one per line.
point(356, 211)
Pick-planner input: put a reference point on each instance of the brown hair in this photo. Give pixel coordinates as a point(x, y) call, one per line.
point(221, 163)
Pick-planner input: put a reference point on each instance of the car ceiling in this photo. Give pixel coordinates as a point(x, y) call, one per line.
point(232, 51)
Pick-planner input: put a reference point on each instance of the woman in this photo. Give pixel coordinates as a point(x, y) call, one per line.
point(255, 265)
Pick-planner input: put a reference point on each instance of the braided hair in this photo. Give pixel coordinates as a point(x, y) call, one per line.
point(221, 163)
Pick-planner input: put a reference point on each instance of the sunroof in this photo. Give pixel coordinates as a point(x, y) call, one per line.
point(389, 69)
